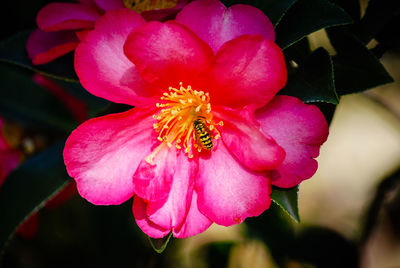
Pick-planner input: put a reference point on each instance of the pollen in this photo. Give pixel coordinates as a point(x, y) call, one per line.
point(180, 109)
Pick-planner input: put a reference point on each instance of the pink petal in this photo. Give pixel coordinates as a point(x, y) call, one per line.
point(43, 47)
point(62, 196)
point(102, 66)
point(194, 223)
point(66, 16)
point(28, 229)
point(9, 160)
point(153, 179)
point(178, 211)
point(183, 218)
point(109, 4)
point(82, 34)
point(3, 142)
point(86, 2)
point(227, 192)
point(147, 226)
point(244, 139)
point(216, 24)
point(103, 153)
point(170, 213)
point(167, 53)
point(247, 70)
point(300, 129)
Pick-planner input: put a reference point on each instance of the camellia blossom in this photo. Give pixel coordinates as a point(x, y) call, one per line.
point(63, 25)
point(208, 134)
point(9, 158)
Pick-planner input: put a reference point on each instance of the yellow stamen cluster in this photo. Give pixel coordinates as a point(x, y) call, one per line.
point(179, 109)
point(147, 5)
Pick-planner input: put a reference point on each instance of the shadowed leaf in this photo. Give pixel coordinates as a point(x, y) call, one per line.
point(13, 51)
point(314, 79)
point(308, 16)
point(356, 68)
point(27, 189)
point(287, 200)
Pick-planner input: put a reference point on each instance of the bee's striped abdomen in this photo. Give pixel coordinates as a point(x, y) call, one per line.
point(202, 134)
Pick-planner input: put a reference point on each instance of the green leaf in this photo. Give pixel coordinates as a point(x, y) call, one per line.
point(22, 99)
point(308, 16)
point(95, 104)
point(377, 15)
point(27, 189)
point(298, 52)
point(13, 51)
point(313, 81)
point(274, 9)
point(287, 200)
point(352, 7)
point(356, 68)
point(159, 244)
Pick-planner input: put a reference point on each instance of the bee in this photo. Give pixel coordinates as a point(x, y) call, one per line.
point(202, 133)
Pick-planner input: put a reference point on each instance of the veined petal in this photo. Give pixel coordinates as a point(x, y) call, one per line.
point(216, 24)
point(101, 65)
point(43, 47)
point(167, 53)
point(103, 153)
point(244, 139)
point(66, 16)
point(178, 211)
point(170, 213)
point(300, 129)
point(228, 192)
point(195, 221)
point(146, 225)
point(153, 178)
point(247, 70)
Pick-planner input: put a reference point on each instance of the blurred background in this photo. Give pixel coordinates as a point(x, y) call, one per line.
point(349, 210)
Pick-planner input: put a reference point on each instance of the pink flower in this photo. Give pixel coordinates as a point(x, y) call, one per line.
point(9, 158)
point(63, 25)
point(208, 135)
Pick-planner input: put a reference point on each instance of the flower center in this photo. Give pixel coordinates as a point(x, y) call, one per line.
point(186, 120)
point(146, 5)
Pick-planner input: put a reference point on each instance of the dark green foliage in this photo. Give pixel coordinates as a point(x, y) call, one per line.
point(23, 100)
point(314, 79)
point(274, 9)
point(287, 200)
point(28, 187)
point(308, 16)
point(356, 68)
point(13, 51)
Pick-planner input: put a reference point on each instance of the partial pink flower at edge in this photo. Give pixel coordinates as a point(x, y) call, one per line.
point(60, 25)
point(152, 151)
point(9, 158)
